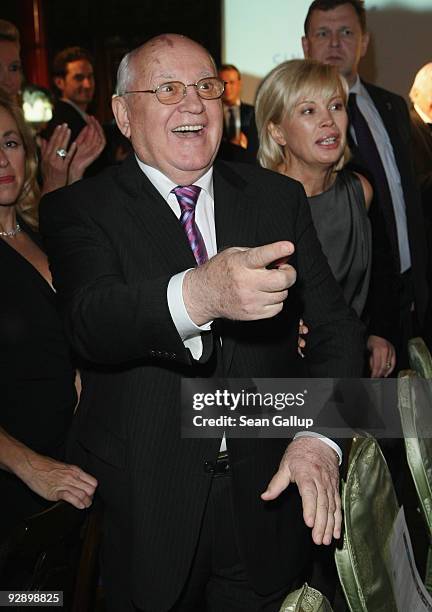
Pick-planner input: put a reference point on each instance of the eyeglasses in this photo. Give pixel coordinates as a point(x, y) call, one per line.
point(172, 92)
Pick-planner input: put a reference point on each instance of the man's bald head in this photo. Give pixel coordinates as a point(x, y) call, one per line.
point(421, 91)
point(147, 54)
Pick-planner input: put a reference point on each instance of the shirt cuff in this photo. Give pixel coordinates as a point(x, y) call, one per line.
point(184, 324)
point(314, 434)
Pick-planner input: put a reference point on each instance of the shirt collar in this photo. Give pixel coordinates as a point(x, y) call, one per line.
point(422, 114)
point(361, 92)
point(357, 87)
point(165, 185)
point(237, 104)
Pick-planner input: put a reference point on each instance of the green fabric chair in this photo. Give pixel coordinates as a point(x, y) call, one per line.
point(420, 358)
point(415, 408)
point(306, 599)
point(370, 508)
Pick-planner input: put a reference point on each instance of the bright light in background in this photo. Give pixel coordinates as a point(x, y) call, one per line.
point(37, 106)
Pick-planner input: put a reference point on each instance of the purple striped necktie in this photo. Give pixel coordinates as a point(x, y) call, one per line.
point(187, 197)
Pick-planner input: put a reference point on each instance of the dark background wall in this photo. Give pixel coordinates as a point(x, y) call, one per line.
point(109, 28)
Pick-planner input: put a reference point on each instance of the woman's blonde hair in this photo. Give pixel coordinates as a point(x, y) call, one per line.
point(281, 90)
point(28, 200)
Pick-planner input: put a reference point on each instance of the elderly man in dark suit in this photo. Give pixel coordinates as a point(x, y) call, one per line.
point(421, 118)
point(168, 267)
point(421, 122)
point(335, 33)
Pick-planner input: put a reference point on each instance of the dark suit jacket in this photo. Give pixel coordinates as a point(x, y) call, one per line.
point(422, 149)
point(114, 244)
point(248, 127)
point(65, 113)
point(394, 114)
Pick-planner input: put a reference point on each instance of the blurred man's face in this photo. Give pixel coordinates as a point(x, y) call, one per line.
point(423, 96)
point(78, 84)
point(181, 140)
point(232, 88)
point(10, 67)
point(335, 37)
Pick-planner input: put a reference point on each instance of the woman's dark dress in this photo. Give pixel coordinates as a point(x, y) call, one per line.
point(37, 391)
point(340, 218)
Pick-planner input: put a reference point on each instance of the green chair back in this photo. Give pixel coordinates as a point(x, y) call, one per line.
point(306, 599)
point(370, 508)
point(420, 358)
point(415, 408)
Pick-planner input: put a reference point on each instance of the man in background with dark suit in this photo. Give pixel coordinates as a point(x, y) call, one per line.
point(421, 118)
point(381, 147)
point(169, 266)
point(73, 76)
point(421, 121)
point(380, 142)
point(239, 117)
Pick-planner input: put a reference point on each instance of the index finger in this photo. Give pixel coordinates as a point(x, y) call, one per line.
point(263, 256)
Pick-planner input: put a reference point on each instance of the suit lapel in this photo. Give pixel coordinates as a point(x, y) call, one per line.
point(235, 222)
point(384, 106)
point(391, 120)
point(160, 226)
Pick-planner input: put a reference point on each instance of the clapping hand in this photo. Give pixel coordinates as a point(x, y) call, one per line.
point(55, 158)
point(89, 145)
point(61, 166)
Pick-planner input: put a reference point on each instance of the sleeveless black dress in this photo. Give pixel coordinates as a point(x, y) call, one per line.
point(340, 218)
point(37, 391)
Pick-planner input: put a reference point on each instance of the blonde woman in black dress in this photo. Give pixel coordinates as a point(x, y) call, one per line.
point(302, 123)
point(37, 377)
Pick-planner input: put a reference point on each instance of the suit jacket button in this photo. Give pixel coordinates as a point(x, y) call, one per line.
point(209, 467)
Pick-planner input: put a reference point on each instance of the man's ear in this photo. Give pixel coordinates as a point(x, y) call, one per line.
point(59, 82)
point(121, 114)
point(305, 45)
point(364, 44)
point(276, 133)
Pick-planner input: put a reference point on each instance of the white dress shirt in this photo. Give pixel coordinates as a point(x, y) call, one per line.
point(204, 218)
point(385, 150)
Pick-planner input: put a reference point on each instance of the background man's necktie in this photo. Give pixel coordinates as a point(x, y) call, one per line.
point(370, 155)
point(367, 146)
point(232, 128)
point(187, 197)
